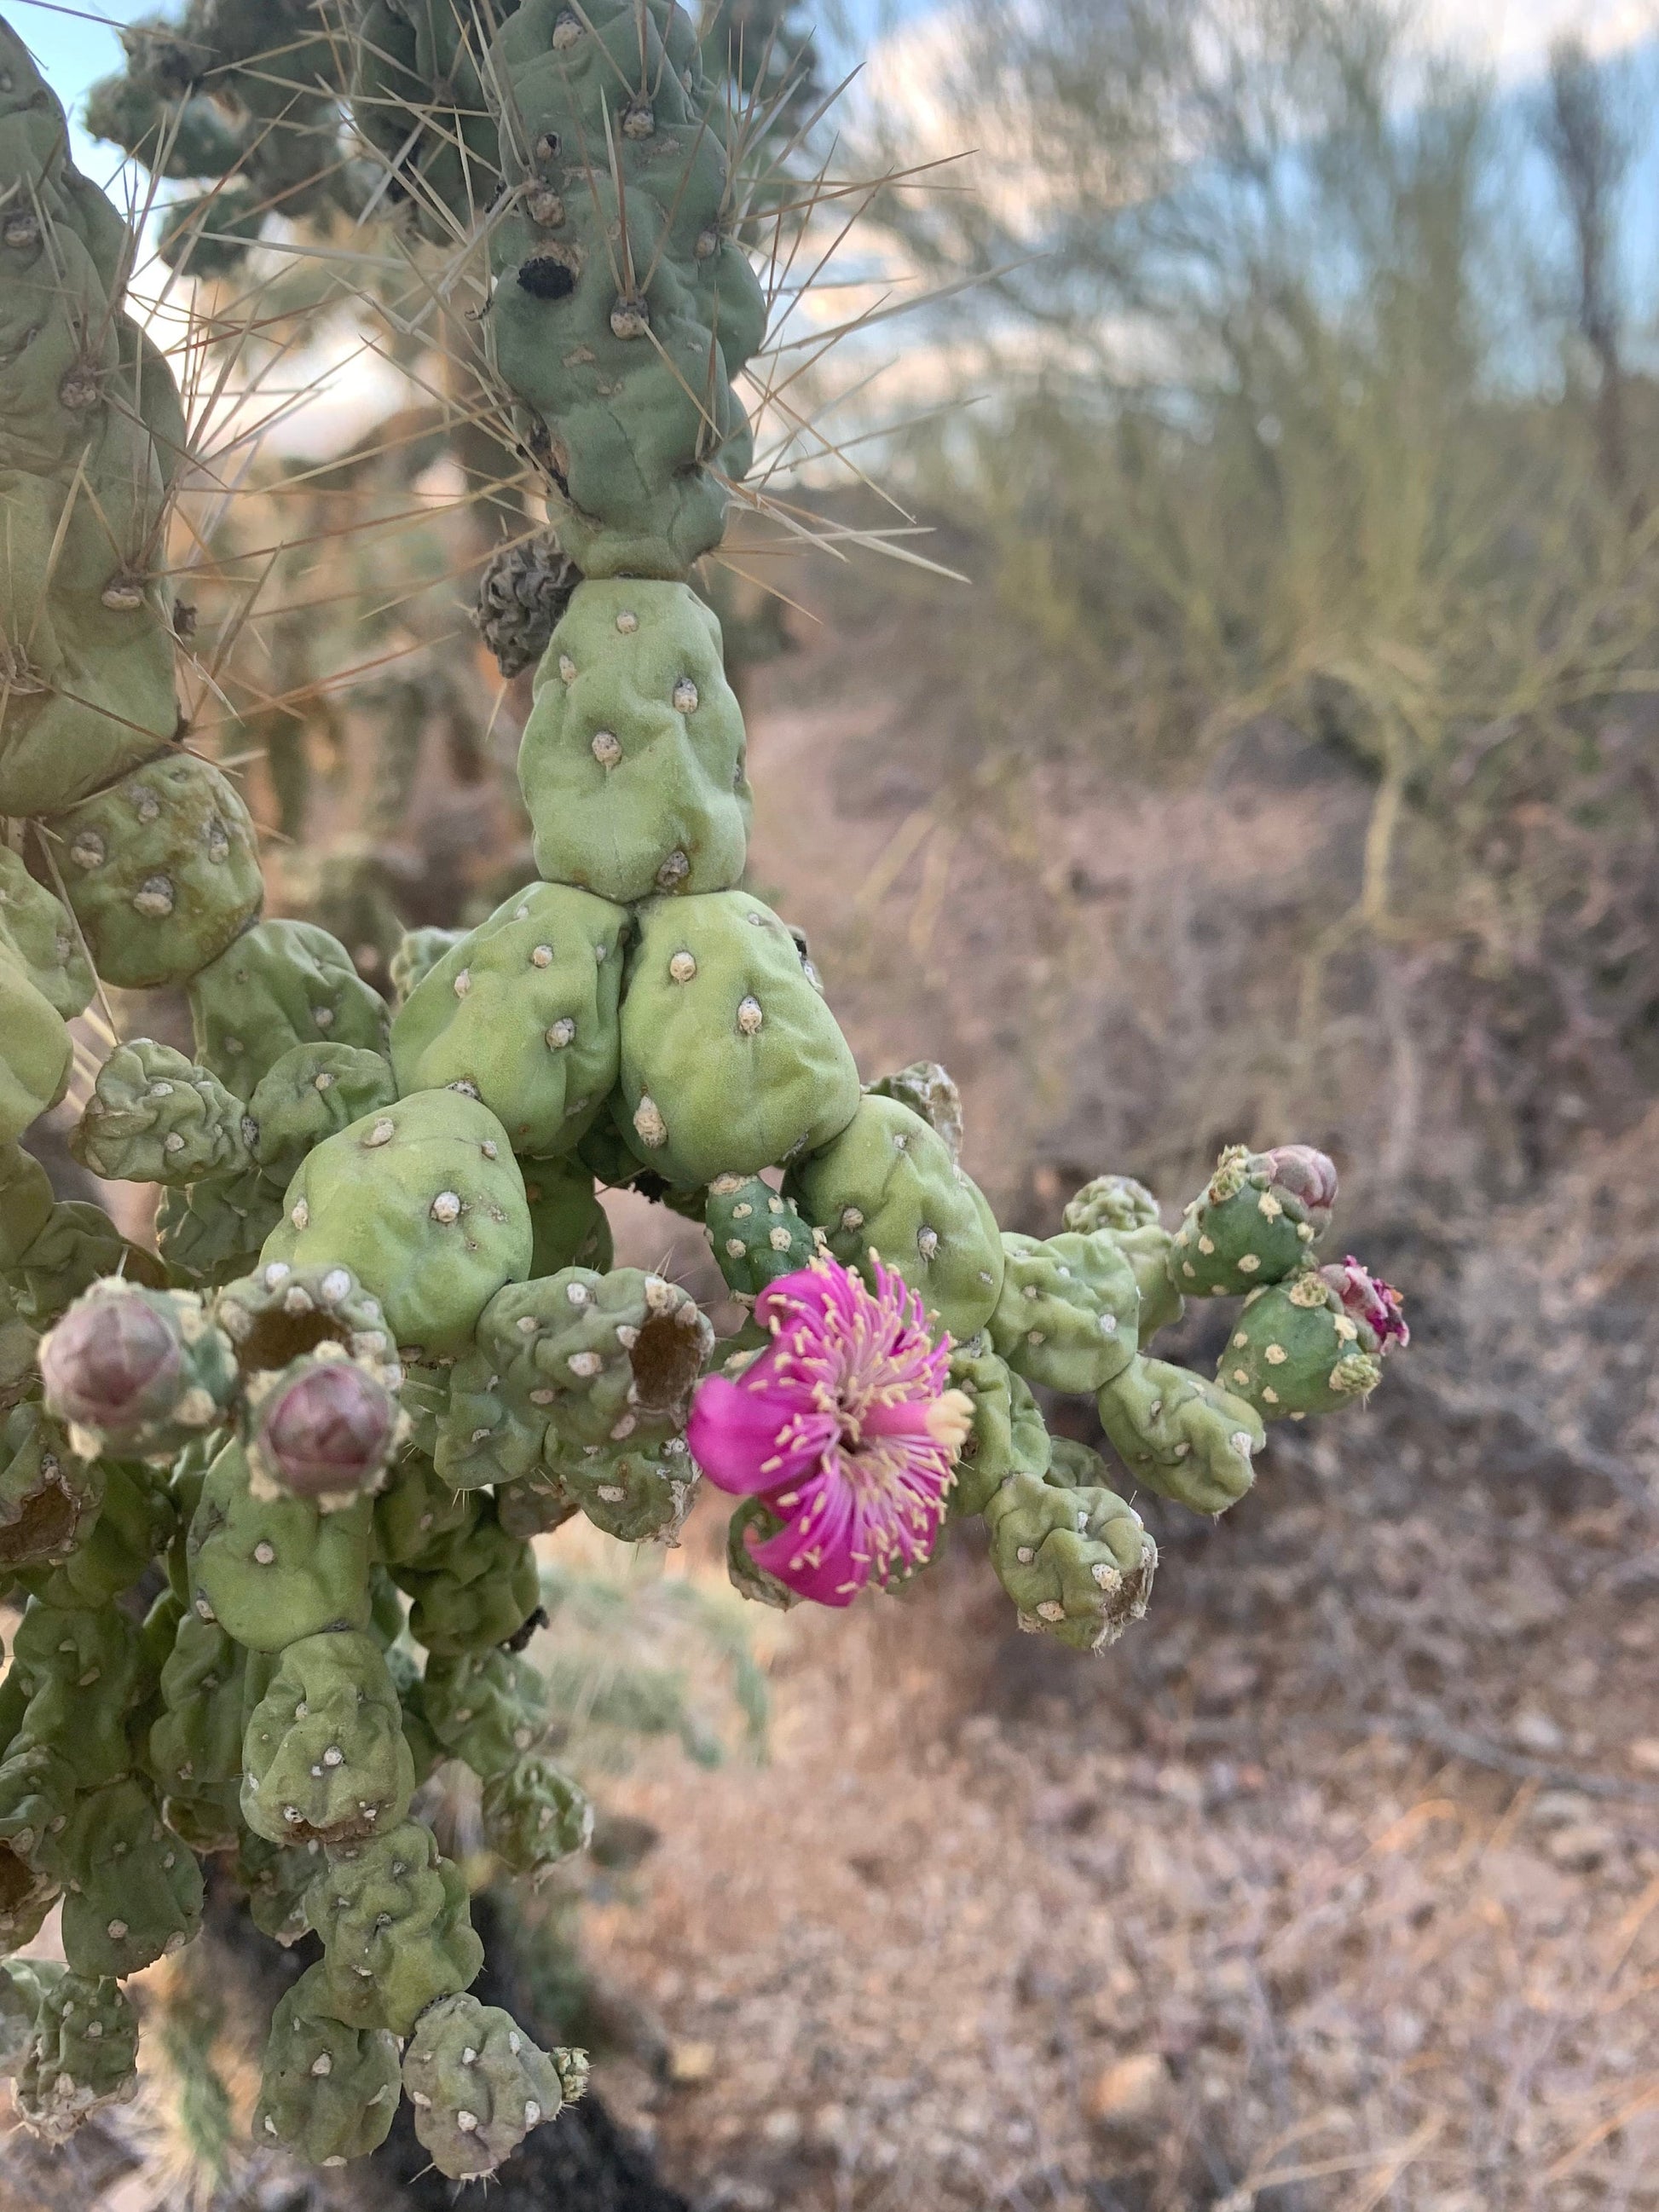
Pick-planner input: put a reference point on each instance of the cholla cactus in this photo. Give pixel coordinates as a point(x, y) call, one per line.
point(383, 1346)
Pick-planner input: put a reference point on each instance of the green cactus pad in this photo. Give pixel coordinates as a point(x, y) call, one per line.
point(758, 1234)
point(534, 1816)
point(393, 1915)
point(417, 1510)
point(748, 1579)
point(471, 1588)
point(85, 1674)
point(312, 1092)
point(79, 1244)
point(37, 1796)
point(418, 953)
point(163, 870)
point(478, 2085)
point(82, 2055)
point(1077, 1562)
point(1008, 1435)
point(889, 1184)
point(731, 1060)
point(272, 1568)
point(327, 2092)
point(133, 1890)
point(1068, 1311)
point(324, 1758)
point(488, 1708)
point(1296, 1350)
point(536, 1503)
point(632, 761)
point(1119, 1206)
point(23, 1982)
point(135, 1523)
point(194, 1747)
point(424, 1203)
point(522, 1015)
point(638, 1494)
point(1181, 1435)
point(37, 927)
point(34, 1064)
point(570, 1226)
point(154, 1116)
point(277, 1879)
point(599, 1358)
point(1116, 1202)
point(621, 325)
point(1241, 1231)
point(209, 1233)
point(25, 1202)
point(282, 983)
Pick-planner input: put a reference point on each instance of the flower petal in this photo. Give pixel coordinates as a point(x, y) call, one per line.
point(748, 1441)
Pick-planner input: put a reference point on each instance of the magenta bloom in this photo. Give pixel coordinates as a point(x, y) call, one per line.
point(1367, 1299)
point(846, 1427)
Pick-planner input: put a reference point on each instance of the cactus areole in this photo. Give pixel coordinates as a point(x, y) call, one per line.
point(376, 1350)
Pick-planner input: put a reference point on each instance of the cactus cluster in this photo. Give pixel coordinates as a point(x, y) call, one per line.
point(381, 1346)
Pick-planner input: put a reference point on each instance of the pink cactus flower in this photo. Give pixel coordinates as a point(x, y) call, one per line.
point(845, 1426)
point(1368, 1300)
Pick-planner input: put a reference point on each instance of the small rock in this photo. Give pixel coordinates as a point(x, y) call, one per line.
point(1536, 1732)
point(1130, 2094)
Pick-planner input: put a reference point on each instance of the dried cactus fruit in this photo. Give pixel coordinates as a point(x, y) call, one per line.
point(154, 1116)
point(136, 1371)
point(1068, 1315)
point(731, 1060)
point(522, 596)
point(393, 1915)
point(927, 1090)
point(1077, 1562)
point(1008, 1435)
point(282, 983)
point(132, 1889)
point(314, 1091)
point(424, 1203)
point(522, 1015)
point(1181, 1435)
point(632, 760)
point(1255, 1220)
point(478, 2085)
point(323, 1757)
point(888, 1184)
point(82, 2055)
point(327, 2092)
point(273, 1569)
point(163, 870)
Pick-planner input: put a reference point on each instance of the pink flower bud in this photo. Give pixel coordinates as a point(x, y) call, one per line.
point(329, 1430)
point(1306, 1174)
point(1368, 1301)
point(110, 1364)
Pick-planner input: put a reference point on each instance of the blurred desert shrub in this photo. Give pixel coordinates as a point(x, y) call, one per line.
point(1306, 406)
